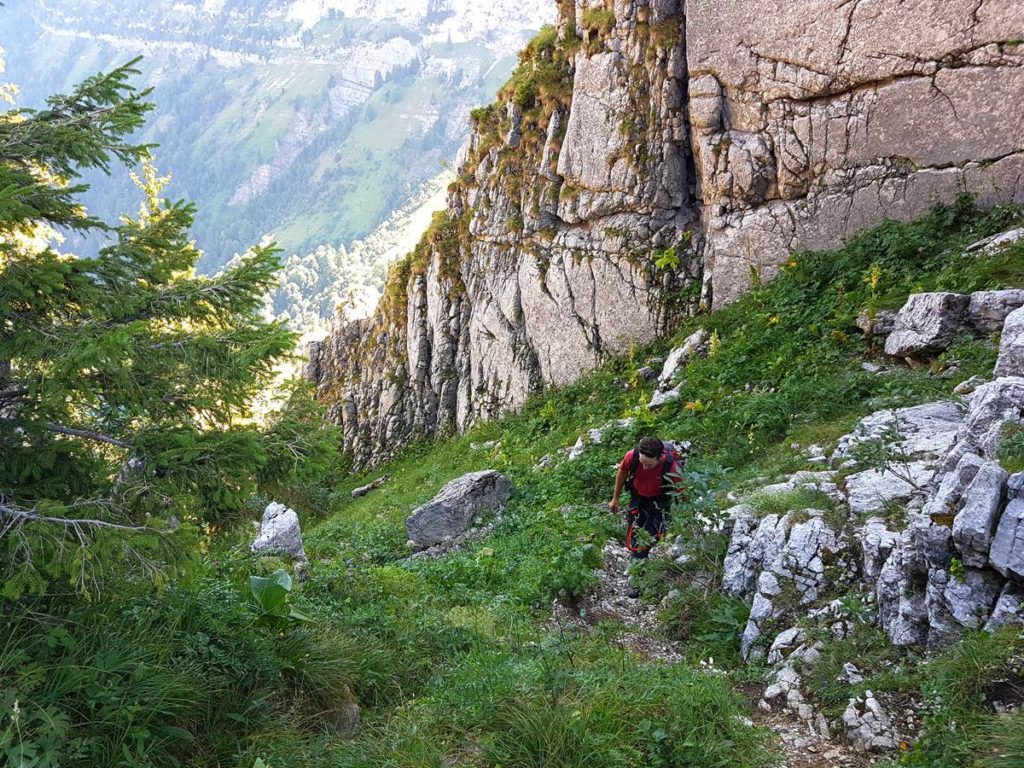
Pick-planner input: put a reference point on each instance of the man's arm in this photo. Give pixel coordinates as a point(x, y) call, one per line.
point(620, 481)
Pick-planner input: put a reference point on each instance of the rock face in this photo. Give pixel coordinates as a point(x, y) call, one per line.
point(687, 147)
point(280, 533)
point(450, 512)
point(804, 133)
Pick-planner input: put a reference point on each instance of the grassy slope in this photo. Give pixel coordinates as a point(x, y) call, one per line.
point(449, 658)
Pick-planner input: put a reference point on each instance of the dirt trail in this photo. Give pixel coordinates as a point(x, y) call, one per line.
point(608, 602)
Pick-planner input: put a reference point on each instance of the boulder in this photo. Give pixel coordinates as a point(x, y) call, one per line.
point(876, 543)
point(902, 611)
point(1011, 346)
point(991, 406)
point(945, 501)
point(988, 310)
point(970, 597)
point(924, 431)
point(1007, 551)
point(662, 398)
point(752, 542)
point(280, 533)
point(450, 512)
point(1009, 608)
point(927, 324)
point(997, 242)
point(975, 523)
point(784, 644)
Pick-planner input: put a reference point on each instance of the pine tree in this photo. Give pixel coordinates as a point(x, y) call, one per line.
point(126, 380)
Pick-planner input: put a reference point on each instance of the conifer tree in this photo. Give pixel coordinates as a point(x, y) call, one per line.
point(126, 379)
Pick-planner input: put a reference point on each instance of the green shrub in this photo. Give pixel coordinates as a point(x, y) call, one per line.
point(599, 21)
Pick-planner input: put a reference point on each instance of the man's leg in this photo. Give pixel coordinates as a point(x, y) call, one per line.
point(642, 516)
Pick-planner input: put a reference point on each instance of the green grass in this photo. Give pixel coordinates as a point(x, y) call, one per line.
point(957, 720)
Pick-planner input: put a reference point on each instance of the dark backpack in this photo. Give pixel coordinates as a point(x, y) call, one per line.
point(675, 460)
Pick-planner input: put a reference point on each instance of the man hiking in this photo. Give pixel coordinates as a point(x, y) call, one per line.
point(652, 472)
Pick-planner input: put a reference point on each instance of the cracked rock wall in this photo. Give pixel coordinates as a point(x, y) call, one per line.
point(543, 264)
point(813, 119)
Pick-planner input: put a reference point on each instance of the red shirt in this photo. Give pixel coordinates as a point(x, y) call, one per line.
point(646, 482)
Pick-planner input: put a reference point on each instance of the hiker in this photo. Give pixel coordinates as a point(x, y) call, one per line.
point(652, 473)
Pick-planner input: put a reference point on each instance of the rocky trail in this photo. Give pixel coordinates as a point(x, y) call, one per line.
point(642, 634)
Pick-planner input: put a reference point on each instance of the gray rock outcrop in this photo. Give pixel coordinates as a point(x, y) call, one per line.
point(869, 727)
point(1011, 346)
point(450, 512)
point(947, 557)
point(804, 133)
point(988, 310)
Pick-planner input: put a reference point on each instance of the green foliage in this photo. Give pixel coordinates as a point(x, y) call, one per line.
point(1011, 448)
point(1001, 744)
point(599, 21)
point(788, 354)
point(270, 596)
point(787, 501)
point(884, 666)
point(667, 260)
point(128, 382)
point(955, 685)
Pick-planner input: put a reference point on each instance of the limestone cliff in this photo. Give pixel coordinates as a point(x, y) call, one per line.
point(651, 154)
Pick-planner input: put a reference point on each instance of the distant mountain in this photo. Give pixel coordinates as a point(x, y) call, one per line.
point(310, 120)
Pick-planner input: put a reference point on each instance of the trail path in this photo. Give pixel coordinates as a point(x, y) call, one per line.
point(608, 602)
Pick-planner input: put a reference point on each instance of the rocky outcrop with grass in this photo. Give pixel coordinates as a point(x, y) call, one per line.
point(648, 157)
point(917, 528)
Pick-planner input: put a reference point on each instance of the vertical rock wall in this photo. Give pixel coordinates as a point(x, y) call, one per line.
point(655, 152)
point(816, 118)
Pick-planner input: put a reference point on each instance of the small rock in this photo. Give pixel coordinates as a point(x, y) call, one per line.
point(881, 324)
point(647, 373)
point(968, 386)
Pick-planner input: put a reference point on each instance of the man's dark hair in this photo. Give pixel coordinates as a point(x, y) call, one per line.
point(651, 447)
